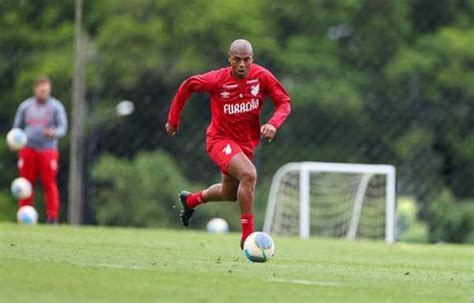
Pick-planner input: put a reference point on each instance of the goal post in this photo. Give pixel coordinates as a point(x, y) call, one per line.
point(333, 199)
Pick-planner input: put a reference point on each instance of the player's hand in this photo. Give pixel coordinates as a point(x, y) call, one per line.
point(49, 133)
point(268, 131)
point(171, 130)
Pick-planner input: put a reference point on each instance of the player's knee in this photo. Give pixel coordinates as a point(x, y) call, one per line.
point(249, 176)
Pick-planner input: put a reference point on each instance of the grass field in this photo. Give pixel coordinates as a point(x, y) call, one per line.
point(58, 264)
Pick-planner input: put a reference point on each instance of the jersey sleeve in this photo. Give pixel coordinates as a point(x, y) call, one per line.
point(60, 121)
point(198, 83)
point(275, 90)
point(20, 116)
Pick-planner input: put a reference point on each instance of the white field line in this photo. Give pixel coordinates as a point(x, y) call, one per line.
point(115, 266)
point(306, 282)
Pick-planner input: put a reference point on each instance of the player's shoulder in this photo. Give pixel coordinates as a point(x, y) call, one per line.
point(220, 72)
point(25, 103)
point(260, 71)
point(55, 102)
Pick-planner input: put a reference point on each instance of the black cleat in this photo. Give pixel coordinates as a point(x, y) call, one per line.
point(242, 244)
point(186, 212)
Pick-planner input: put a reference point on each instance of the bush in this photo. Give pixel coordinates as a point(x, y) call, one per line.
point(141, 192)
point(451, 221)
point(409, 228)
point(7, 207)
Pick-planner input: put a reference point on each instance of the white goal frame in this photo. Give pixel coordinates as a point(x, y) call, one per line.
point(305, 168)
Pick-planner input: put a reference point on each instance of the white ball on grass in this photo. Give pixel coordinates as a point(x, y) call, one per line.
point(217, 226)
point(27, 215)
point(259, 247)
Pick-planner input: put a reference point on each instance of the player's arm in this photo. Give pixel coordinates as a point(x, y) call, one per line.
point(198, 83)
point(59, 128)
point(281, 99)
point(19, 121)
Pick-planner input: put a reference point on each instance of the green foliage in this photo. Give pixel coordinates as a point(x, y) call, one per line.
point(408, 227)
point(442, 61)
point(412, 142)
point(450, 221)
point(140, 192)
point(7, 207)
point(140, 44)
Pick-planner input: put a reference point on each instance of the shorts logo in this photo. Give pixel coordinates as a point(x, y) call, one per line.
point(20, 163)
point(227, 150)
point(54, 165)
point(255, 90)
point(225, 95)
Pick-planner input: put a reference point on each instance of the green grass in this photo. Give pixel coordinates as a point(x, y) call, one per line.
point(58, 264)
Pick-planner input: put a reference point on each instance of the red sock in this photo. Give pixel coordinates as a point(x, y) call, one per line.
point(195, 199)
point(247, 225)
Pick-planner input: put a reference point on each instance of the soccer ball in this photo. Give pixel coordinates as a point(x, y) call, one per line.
point(259, 247)
point(16, 139)
point(217, 226)
point(27, 215)
point(21, 188)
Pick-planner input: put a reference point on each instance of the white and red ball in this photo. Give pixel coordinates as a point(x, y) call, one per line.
point(16, 139)
point(27, 215)
point(259, 247)
point(21, 188)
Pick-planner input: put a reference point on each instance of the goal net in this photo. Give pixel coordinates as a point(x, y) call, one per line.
point(332, 200)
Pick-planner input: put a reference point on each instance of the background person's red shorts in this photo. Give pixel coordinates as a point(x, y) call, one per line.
point(222, 150)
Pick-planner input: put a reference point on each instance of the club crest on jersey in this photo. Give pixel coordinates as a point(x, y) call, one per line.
point(225, 95)
point(227, 150)
point(255, 90)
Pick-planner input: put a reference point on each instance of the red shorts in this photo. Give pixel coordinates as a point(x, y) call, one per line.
point(222, 150)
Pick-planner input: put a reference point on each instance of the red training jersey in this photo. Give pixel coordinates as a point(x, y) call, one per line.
point(235, 103)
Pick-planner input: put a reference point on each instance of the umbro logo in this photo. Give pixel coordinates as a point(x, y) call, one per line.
point(225, 95)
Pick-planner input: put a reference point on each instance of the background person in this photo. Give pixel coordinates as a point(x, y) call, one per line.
point(44, 120)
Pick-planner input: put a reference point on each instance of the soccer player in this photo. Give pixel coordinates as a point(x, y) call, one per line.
point(237, 94)
point(44, 120)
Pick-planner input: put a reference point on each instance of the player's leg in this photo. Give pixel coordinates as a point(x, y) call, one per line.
point(48, 171)
point(28, 168)
point(218, 151)
point(224, 191)
point(221, 152)
point(243, 170)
